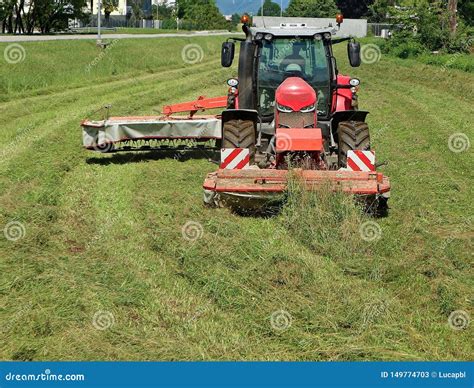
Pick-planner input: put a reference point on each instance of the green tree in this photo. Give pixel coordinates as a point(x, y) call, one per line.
point(425, 27)
point(380, 9)
point(466, 10)
point(181, 7)
point(270, 9)
point(162, 10)
point(236, 18)
point(21, 16)
point(4, 12)
point(312, 8)
point(109, 6)
point(52, 15)
point(137, 12)
point(6, 15)
point(200, 15)
point(354, 9)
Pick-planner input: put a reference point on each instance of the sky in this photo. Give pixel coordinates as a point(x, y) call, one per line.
point(229, 7)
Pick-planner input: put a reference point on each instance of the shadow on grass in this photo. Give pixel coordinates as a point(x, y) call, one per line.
point(124, 157)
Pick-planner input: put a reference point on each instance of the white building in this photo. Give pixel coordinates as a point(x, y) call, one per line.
point(122, 7)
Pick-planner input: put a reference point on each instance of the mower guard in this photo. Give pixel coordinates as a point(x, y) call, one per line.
point(122, 129)
point(265, 184)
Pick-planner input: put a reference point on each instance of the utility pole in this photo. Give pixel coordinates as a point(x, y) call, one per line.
point(158, 13)
point(99, 11)
point(453, 10)
point(281, 8)
point(177, 15)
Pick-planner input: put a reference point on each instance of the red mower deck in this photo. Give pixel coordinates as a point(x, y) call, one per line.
point(255, 182)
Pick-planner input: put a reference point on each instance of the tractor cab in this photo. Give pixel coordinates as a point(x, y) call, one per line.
point(279, 67)
point(282, 57)
point(271, 55)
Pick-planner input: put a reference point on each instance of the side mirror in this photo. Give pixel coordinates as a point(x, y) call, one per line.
point(353, 51)
point(227, 54)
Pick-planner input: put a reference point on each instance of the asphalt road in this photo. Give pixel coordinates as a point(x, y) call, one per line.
point(37, 38)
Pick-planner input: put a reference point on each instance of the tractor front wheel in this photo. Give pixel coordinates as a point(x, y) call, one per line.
point(352, 135)
point(239, 134)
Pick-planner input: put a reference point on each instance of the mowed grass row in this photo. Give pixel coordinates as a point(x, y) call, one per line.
point(104, 232)
point(58, 66)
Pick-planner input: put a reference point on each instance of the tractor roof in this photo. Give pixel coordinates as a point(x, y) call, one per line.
point(291, 30)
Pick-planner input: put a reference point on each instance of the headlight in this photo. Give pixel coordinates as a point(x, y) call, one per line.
point(327, 35)
point(284, 109)
point(354, 82)
point(318, 37)
point(307, 109)
point(259, 36)
point(233, 82)
point(268, 37)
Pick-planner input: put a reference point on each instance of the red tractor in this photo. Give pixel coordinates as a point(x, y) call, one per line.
point(290, 107)
point(288, 110)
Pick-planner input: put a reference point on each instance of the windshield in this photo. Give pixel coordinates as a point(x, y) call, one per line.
point(282, 58)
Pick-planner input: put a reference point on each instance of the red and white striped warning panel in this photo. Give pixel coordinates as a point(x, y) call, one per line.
point(361, 160)
point(235, 158)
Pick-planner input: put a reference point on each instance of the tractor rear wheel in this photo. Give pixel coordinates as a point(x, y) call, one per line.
point(239, 134)
point(352, 135)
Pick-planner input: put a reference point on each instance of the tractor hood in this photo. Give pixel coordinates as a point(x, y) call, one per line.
point(296, 94)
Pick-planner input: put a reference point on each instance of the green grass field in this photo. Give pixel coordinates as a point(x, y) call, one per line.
point(457, 61)
point(103, 239)
point(129, 30)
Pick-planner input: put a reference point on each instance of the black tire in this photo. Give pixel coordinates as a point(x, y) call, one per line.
point(352, 135)
point(239, 134)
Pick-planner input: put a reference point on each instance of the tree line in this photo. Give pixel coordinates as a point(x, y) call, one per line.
point(26, 16)
point(419, 26)
point(373, 10)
